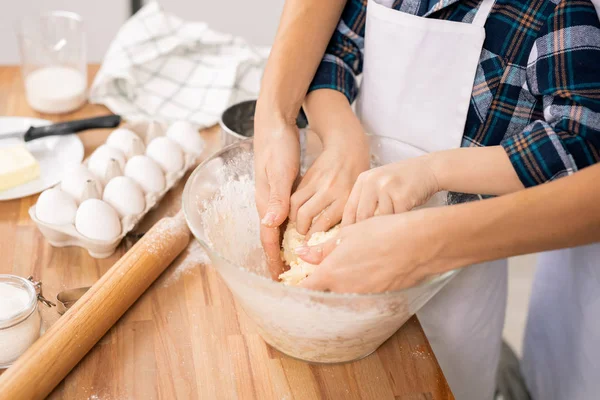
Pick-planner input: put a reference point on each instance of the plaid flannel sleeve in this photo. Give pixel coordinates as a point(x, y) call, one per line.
point(343, 58)
point(564, 72)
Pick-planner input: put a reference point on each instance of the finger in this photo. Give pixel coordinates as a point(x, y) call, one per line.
point(316, 254)
point(401, 204)
point(366, 205)
point(349, 215)
point(309, 211)
point(278, 205)
point(319, 280)
point(328, 219)
point(331, 279)
point(298, 199)
point(261, 194)
point(385, 205)
point(270, 241)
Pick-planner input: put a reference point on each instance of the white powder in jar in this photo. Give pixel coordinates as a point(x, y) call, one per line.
point(13, 300)
point(16, 338)
point(55, 89)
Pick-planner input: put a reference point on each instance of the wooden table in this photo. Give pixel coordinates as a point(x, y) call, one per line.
point(186, 338)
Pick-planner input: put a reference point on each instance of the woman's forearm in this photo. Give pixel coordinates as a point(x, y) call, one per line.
point(304, 31)
point(560, 214)
point(476, 170)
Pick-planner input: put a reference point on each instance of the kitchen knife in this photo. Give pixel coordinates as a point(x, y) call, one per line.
point(65, 128)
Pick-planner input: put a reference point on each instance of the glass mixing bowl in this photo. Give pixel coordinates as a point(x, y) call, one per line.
point(322, 327)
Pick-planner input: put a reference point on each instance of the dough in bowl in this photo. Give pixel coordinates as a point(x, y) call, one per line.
point(300, 269)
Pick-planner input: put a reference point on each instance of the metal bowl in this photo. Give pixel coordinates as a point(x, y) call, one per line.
point(237, 122)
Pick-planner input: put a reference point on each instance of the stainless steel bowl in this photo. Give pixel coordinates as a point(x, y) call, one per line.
point(237, 122)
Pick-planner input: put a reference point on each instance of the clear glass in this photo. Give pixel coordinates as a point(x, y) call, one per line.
point(320, 327)
point(53, 61)
point(21, 329)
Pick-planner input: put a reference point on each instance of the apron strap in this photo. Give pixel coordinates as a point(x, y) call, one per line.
point(483, 12)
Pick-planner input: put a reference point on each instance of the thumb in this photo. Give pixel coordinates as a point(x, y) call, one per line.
point(316, 254)
point(278, 206)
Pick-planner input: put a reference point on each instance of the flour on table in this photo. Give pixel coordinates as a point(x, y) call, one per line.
point(300, 269)
point(192, 257)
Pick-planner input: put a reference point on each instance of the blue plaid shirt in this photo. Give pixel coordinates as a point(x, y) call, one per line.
point(537, 87)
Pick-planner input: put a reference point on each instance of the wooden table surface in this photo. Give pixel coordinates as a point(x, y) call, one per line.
point(186, 338)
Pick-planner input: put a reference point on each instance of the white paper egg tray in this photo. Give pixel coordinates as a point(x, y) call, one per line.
point(67, 235)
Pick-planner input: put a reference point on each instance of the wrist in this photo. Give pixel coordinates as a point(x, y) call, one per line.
point(344, 139)
point(437, 164)
point(476, 170)
point(331, 117)
point(273, 122)
point(439, 242)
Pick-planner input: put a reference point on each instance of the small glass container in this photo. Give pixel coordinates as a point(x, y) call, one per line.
point(20, 320)
point(53, 61)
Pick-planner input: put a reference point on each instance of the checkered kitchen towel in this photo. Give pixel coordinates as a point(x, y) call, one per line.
point(160, 67)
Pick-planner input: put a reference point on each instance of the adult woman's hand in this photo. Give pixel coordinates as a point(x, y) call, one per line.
point(376, 255)
point(276, 164)
point(398, 251)
point(318, 202)
point(294, 58)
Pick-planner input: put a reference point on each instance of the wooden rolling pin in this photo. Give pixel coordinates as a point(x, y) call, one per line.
point(45, 364)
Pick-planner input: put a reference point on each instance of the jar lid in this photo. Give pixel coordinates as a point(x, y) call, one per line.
point(33, 291)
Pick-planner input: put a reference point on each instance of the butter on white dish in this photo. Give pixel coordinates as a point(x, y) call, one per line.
point(300, 269)
point(17, 166)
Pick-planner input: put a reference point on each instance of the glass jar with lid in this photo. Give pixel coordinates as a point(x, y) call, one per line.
point(20, 320)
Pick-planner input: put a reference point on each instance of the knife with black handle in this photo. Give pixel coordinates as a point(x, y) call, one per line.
point(65, 128)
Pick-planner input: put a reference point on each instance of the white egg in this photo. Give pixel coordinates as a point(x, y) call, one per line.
point(126, 141)
point(185, 135)
point(56, 207)
point(97, 220)
point(125, 196)
point(146, 173)
point(101, 162)
point(166, 153)
point(78, 181)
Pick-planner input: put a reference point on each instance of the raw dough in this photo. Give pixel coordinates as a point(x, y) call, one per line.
point(300, 269)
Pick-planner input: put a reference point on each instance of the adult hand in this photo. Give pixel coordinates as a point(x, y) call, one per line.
point(379, 254)
point(276, 164)
point(391, 189)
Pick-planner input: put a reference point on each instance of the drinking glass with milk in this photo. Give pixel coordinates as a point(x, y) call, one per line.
point(53, 61)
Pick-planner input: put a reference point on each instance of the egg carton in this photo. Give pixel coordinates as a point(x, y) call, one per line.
point(68, 235)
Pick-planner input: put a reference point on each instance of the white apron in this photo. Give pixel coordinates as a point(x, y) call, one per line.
point(561, 349)
point(418, 77)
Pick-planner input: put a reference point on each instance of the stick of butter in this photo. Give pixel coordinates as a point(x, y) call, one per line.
point(17, 166)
